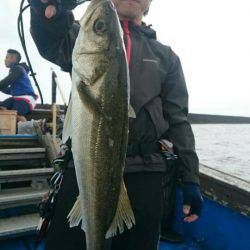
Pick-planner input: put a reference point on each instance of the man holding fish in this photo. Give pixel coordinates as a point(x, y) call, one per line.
point(123, 80)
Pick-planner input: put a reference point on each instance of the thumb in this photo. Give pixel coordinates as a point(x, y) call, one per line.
point(50, 11)
point(186, 209)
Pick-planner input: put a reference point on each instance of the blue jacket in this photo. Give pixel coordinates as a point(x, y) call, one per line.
point(17, 83)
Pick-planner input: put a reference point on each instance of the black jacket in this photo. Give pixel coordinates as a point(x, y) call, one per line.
point(158, 90)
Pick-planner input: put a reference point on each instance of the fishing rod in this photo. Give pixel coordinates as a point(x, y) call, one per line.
point(21, 34)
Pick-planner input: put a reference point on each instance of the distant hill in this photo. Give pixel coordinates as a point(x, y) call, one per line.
point(209, 119)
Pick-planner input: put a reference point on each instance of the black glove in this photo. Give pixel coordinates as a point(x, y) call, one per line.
point(192, 201)
point(46, 9)
point(38, 7)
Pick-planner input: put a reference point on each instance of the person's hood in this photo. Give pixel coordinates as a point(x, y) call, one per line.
point(143, 28)
point(25, 66)
point(148, 31)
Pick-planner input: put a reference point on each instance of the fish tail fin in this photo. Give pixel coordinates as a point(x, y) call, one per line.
point(75, 216)
point(124, 214)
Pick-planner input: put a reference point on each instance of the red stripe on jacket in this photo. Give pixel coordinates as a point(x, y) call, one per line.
point(128, 40)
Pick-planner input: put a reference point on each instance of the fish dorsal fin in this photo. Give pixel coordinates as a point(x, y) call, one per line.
point(124, 214)
point(75, 216)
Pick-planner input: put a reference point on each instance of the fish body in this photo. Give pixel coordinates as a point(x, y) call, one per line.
point(97, 122)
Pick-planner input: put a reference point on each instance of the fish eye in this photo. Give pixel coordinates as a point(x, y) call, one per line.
point(100, 26)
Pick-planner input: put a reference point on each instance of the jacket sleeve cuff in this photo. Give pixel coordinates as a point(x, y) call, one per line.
point(194, 179)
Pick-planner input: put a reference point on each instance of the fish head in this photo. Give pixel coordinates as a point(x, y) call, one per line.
point(97, 43)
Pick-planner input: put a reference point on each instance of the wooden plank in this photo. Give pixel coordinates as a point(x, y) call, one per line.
point(54, 123)
point(18, 225)
point(8, 121)
point(20, 197)
point(17, 164)
point(22, 150)
point(226, 189)
point(225, 177)
point(46, 141)
point(4, 144)
point(18, 136)
point(12, 157)
point(51, 148)
point(21, 154)
point(24, 174)
point(38, 114)
point(18, 141)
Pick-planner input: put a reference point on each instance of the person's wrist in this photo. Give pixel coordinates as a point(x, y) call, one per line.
point(189, 183)
point(191, 189)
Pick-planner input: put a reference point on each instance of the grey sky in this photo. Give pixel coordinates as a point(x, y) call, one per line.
point(211, 38)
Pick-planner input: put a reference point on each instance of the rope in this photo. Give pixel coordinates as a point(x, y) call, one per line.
point(23, 43)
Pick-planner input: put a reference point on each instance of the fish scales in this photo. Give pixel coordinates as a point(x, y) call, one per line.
point(97, 122)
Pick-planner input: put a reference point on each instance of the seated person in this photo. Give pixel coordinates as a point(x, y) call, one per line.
point(18, 85)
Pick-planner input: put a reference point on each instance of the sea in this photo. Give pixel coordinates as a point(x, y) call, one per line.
point(225, 147)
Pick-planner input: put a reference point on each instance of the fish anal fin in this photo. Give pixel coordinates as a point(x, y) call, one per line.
point(75, 216)
point(124, 214)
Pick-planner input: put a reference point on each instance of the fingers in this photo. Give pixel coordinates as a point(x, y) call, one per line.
point(191, 218)
point(50, 11)
point(186, 209)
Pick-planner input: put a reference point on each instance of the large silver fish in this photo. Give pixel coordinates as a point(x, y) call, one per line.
point(97, 122)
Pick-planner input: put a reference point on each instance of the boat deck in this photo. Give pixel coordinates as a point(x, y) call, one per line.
point(224, 223)
point(219, 228)
point(186, 245)
point(28, 243)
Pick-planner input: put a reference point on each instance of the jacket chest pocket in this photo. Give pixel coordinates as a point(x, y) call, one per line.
point(145, 83)
point(154, 109)
point(150, 73)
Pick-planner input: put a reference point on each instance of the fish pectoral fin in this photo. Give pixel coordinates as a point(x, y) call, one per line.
point(131, 112)
point(124, 214)
point(75, 216)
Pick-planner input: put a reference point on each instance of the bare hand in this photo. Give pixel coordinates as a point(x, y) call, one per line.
point(189, 218)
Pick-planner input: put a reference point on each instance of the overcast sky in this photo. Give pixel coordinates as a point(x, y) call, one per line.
point(211, 37)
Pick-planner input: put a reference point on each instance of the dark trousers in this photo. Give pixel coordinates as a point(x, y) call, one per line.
point(169, 185)
point(22, 107)
point(145, 193)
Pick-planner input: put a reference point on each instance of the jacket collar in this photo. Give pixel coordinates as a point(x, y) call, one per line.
point(13, 65)
point(147, 31)
point(143, 28)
